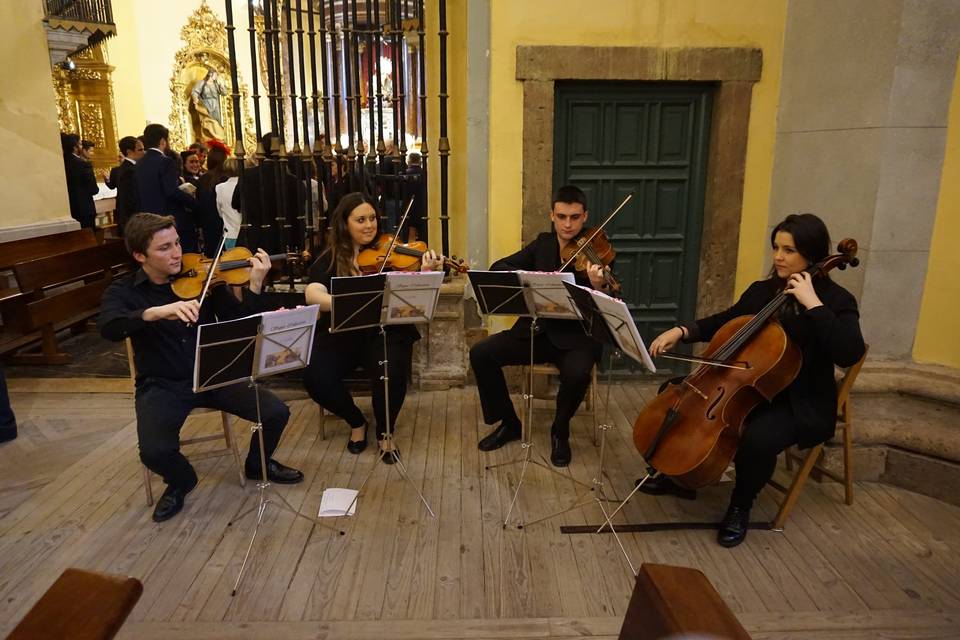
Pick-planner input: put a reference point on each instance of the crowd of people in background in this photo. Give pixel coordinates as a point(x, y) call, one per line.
point(197, 186)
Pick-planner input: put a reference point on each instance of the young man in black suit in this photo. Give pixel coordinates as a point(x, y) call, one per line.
point(560, 342)
point(122, 179)
point(81, 183)
point(158, 180)
point(163, 330)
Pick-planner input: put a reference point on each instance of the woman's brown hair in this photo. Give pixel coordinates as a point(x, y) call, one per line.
point(340, 242)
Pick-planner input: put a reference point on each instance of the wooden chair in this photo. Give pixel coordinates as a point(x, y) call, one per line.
point(80, 605)
point(590, 401)
point(811, 460)
point(230, 441)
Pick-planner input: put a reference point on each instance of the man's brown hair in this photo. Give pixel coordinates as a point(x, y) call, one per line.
point(140, 228)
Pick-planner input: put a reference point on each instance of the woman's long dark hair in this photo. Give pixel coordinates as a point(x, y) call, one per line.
point(810, 237)
point(216, 160)
point(339, 240)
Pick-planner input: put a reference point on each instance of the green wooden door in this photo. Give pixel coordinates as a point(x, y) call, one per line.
point(613, 138)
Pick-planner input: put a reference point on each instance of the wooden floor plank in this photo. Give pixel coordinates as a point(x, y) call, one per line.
point(886, 567)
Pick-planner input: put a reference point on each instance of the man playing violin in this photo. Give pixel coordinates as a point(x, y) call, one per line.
point(163, 330)
point(560, 342)
point(355, 226)
point(823, 322)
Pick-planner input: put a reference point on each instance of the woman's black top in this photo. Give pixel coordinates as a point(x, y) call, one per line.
point(827, 335)
point(322, 271)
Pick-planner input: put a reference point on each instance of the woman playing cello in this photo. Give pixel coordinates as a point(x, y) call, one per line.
point(823, 321)
point(354, 225)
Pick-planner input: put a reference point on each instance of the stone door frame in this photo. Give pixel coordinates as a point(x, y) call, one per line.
point(734, 70)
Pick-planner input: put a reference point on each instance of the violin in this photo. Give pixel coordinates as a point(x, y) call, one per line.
point(404, 256)
point(691, 430)
point(233, 269)
point(592, 247)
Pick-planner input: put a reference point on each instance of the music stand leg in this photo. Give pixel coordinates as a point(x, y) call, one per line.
point(262, 501)
point(597, 493)
point(388, 436)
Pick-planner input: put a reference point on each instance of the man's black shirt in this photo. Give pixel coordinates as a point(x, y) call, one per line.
point(163, 348)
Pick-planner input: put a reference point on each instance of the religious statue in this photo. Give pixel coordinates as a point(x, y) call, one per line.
point(205, 102)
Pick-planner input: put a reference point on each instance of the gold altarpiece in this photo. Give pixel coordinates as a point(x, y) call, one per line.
point(205, 36)
point(85, 104)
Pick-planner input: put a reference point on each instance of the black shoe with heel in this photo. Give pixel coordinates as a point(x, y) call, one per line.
point(560, 451)
point(358, 446)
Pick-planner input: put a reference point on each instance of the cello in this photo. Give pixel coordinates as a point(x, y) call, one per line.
point(690, 432)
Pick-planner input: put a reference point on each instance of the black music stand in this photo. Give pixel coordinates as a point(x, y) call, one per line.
point(608, 321)
point(362, 302)
point(531, 295)
point(246, 350)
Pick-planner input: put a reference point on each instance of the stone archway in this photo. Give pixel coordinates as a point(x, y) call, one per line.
point(735, 70)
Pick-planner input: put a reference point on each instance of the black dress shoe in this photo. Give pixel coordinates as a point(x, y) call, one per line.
point(170, 503)
point(662, 485)
point(559, 451)
point(276, 472)
point(500, 436)
point(358, 446)
point(733, 527)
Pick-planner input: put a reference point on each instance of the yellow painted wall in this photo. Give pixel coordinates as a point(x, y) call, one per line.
point(937, 340)
point(650, 23)
point(31, 162)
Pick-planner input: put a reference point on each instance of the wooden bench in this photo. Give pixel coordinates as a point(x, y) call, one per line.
point(670, 601)
point(40, 247)
point(61, 291)
point(80, 605)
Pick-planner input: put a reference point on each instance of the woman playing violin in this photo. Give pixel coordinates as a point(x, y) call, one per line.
point(823, 321)
point(354, 226)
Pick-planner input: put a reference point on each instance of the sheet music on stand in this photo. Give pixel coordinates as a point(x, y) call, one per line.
point(608, 320)
point(256, 346)
point(396, 297)
point(532, 294)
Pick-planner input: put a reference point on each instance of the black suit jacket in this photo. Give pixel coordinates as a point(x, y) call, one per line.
point(543, 254)
point(81, 187)
point(259, 208)
point(123, 179)
point(827, 335)
point(158, 181)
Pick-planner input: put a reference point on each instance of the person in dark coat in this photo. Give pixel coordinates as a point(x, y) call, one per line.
point(158, 181)
point(823, 321)
point(81, 183)
point(560, 342)
point(122, 179)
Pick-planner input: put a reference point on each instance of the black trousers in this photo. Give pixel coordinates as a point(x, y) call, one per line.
point(489, 356)
point(335, 357)
point(163, 406)
point(768, 431)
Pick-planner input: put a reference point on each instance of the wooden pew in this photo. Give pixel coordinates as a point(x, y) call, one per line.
point(80, 605)
point(40, 247)
point(670, 601)
point(50, 305)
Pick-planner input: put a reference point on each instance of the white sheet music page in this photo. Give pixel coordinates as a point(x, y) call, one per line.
point(334, 503)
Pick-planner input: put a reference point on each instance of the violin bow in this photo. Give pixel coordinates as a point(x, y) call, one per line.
point(593, 235)
point(213, 268)
point(396, 234)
